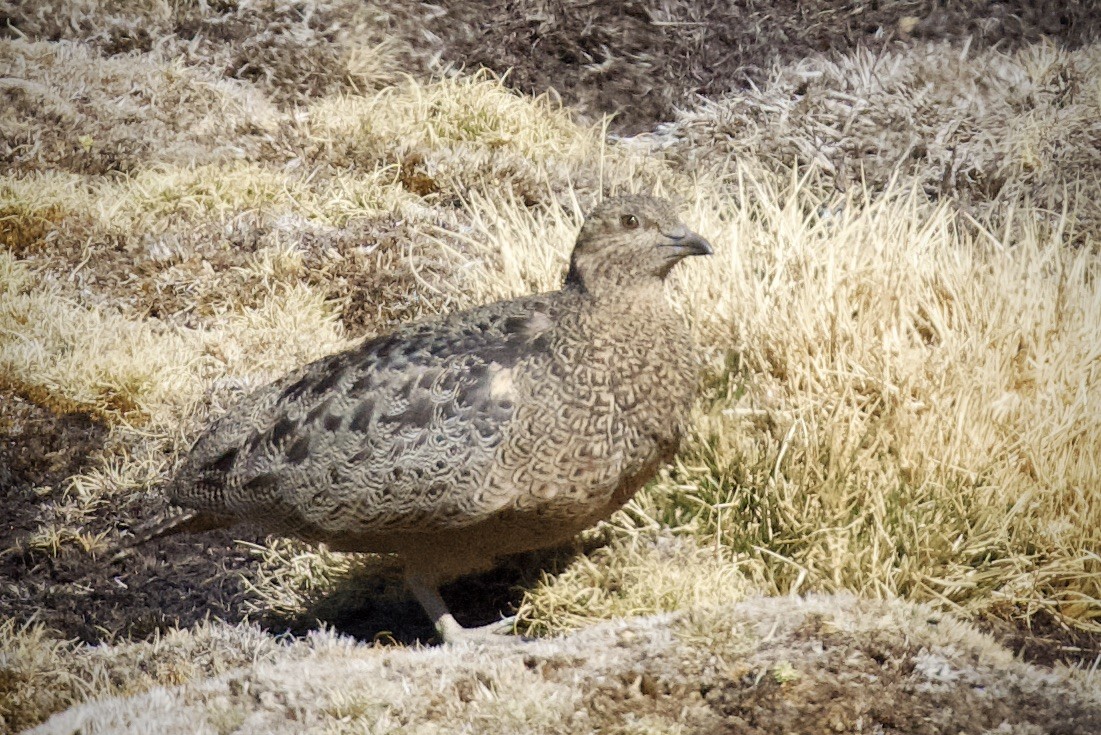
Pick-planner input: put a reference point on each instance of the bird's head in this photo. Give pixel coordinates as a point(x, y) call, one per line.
point(631, 240)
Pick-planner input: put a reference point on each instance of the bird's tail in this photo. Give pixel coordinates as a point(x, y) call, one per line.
point(188, 521)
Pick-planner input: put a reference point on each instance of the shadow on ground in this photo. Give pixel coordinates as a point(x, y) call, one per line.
point(371, 603)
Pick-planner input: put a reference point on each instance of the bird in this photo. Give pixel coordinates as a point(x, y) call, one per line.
point(461, 438)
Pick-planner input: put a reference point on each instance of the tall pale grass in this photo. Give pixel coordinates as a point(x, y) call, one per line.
point(900, 403)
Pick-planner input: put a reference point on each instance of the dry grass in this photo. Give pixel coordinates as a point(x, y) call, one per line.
point(985, 130)
point(148, 106)
point(289, 50)
point(643, 61)
point(640, 574)
point(902, 390)
point(909, 407)
point(40, 675)
point(763, 665)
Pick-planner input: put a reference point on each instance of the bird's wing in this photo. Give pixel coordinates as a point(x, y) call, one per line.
point(395, 435)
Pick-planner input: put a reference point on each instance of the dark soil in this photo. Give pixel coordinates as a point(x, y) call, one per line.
point(372, 604)
point(179, 582)
point(41, 448)
point(91, 600)
point(38, 449)
point(74, 594)
point(1042, 640)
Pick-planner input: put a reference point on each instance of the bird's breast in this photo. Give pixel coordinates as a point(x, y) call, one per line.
point(595, 418)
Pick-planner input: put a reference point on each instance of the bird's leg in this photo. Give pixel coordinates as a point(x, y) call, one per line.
point(429, 597)
point(447, 627)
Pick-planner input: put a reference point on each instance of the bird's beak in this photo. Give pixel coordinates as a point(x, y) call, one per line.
point(686, 242)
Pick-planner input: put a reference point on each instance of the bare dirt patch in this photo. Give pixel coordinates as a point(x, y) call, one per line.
point(1041, 639)
point(72, 593)
point(38, 449)
point(180, 582)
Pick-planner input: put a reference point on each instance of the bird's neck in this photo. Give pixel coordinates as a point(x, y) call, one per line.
point(627, 307)
point(617, 287)
point(610, 275)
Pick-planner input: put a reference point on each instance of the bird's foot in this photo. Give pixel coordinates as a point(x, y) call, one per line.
point(499, 631)
point(448, 627)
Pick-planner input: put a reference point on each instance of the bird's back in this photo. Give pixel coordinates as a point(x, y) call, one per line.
point(396, 434)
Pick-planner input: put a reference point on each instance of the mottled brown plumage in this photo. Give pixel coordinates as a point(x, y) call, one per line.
point(453, 441)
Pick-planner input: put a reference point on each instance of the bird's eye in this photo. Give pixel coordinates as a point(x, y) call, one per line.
point(629, 221)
